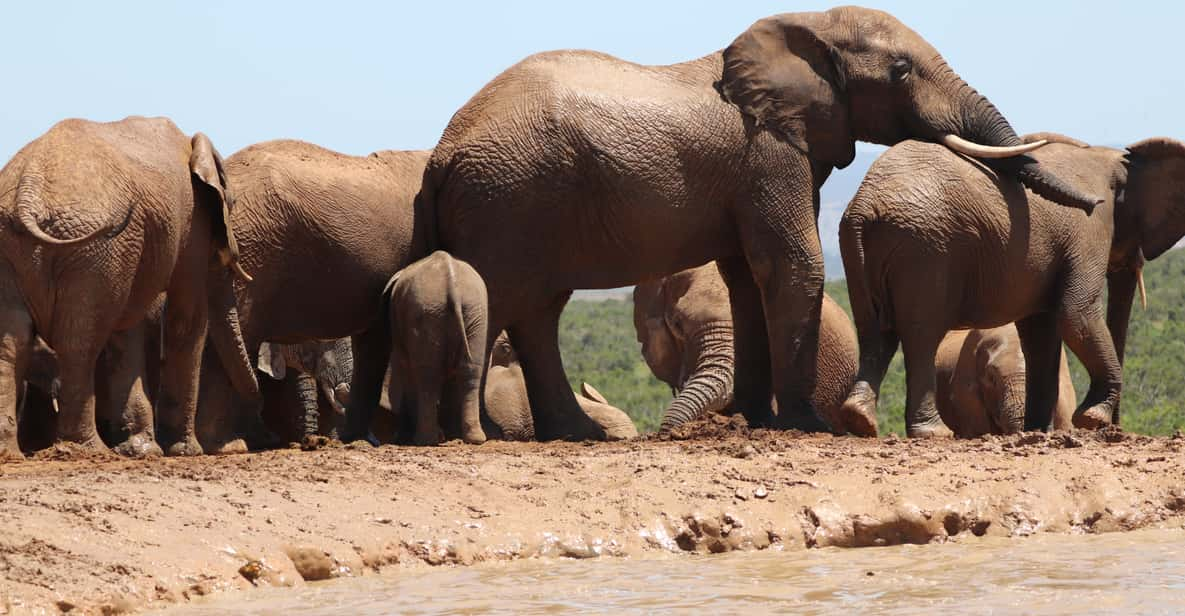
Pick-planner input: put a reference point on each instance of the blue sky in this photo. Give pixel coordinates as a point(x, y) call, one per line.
point(362, 76)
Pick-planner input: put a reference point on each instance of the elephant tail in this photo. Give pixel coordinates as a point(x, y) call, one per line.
point(427, 224)
point(855, 263)
point(458, 310)
point(28, 202)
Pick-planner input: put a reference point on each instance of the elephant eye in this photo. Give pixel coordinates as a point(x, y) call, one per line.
point(900, 69)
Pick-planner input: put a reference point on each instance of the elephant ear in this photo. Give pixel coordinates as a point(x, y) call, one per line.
point(271, 361)
point(205, 163)
point(784, 74)
point(1156, 189)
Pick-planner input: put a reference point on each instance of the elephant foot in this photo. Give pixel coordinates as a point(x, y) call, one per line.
point(233, 446)
point(82, 448)
point(187, 447)
point(576, 427)
point(139, 445)
point(263, 438)
point(473, 435)
point(858, 412)
point(10, 450)
point(935, 429)
point(1093, 418)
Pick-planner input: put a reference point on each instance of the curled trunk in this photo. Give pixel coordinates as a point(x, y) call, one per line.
point(1121, 288)
point(709, 386)
point(226, 335)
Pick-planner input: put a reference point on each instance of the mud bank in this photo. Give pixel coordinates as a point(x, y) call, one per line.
point(111, 536)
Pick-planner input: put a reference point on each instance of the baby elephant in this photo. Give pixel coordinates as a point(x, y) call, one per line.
point(981, 383)
point(437, 308)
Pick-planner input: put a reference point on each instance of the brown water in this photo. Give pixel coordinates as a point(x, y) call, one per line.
point(1122, 573)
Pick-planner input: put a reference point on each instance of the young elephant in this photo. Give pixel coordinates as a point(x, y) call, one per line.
point(437, 310)
point(508, 413)
point(101, 219)
point(322, 232)
point(318, 373)
point(684, 322)
point(933, 241)
point(981, 383)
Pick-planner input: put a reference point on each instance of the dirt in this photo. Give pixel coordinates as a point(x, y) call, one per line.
point(112, 535)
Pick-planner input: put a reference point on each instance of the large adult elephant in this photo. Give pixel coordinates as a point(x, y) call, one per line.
point(933, 241)
point(684, 323)
point(101, 218)
point(322, 233)
point(574, 169)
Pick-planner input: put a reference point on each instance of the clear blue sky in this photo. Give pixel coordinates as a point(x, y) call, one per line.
point(362, 76)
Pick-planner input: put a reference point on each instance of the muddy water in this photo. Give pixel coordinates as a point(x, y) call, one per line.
point(1122, 573)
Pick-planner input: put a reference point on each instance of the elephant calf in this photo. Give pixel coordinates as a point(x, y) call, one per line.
point(684, 322)
point(981, 383)
point(933, 241)
point(437, 309)
point(508, 412)
point(313, 375)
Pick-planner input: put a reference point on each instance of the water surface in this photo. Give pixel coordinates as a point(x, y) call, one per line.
point(1122, 573)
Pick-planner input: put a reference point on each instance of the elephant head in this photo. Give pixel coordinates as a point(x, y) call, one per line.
point(1149, 219)
point(330, 363)
point(685, 326)
point(1000, 367)
point(821, 81)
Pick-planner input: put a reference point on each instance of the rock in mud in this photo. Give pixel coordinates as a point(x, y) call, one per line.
point(314, 564)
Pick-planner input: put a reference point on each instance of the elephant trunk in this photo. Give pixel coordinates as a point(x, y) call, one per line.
point(1009, 411)
point(1121, 288)
point(709, 387)
point(982, 123)
point(226, 335)
point(335, 369)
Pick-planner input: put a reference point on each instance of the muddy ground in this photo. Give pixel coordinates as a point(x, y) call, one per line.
point(114, 535)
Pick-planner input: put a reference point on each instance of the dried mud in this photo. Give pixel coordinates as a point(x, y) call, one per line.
point(113, 535)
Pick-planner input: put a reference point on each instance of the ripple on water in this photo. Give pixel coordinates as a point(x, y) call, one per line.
point(1140, 572)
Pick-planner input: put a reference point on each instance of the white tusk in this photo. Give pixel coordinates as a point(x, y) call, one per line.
point(1140, 285)
point(970, 148)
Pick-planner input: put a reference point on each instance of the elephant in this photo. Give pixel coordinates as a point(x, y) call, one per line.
point(684, 323)
point(323, 233)
point(933, 241)
point(316, 375)
point(437, 311)
point(655, 169)
point(508, 414)
point(103, 218)
point(980, 377)
point(37, 408)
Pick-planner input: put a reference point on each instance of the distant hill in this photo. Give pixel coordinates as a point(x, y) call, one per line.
point(598, 345)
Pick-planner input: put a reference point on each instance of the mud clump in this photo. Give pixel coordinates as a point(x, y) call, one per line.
point(712, 426)
point(314, 564)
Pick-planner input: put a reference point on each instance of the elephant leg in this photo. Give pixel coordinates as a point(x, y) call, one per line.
point(429, 430)
point(463, 404)
point(219, 425)
point(76, 419)
point(876, 353)
point(553, 404)
point(120, 381)
point(37, 420)
point(752, 382)
point(1085, 332)
point(921, 412)
point(1042, 351)
point(16, 336)
point(372, 353)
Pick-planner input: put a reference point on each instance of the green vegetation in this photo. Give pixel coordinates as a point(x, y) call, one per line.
point(599, 346)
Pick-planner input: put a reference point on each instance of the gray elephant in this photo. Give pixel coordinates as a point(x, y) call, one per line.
point(933, 241)
point(322, 233)
point(575, 169)
point(103, 218)
point(508, 413)
point(318, 375)
point(980, 378)
point(684, 323)
point(437, 311)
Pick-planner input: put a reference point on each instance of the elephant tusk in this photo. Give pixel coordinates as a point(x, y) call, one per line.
point(1140, 285)
point(240, 272)
point(970, 148)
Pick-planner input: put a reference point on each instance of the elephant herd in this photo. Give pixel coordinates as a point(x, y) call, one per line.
point(161, 280)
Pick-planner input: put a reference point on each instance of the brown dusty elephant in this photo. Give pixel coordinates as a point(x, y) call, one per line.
point(575, 169)
point(684, 323)
point(933, 241)
point(980, 378)
point(508, 414)
point(437, 311)
point(322, 233)
point(315, 383)
point(101, 218)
